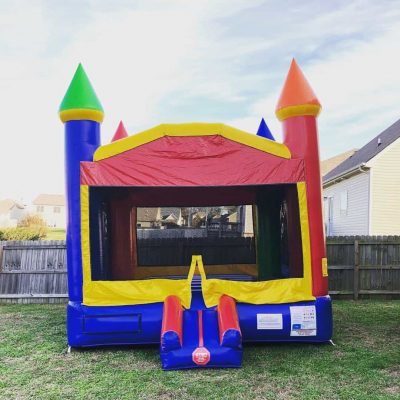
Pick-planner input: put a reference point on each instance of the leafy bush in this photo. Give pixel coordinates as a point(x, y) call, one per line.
point(31, 220)
point(31, 227)
point(21, 233)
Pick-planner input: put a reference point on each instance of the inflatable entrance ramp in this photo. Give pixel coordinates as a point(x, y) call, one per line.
point(209, 338)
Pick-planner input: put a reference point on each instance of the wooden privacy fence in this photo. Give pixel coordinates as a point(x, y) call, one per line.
point(364, 266)
point(359, 267)
point(222, 250)
point(33, 272)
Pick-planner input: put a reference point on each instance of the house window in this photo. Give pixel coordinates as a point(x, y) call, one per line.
point(40, 209)
point(57, 210)
point(343, 202)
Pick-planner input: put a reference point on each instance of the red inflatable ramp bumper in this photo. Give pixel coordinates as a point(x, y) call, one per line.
point(228, 322)
point(171, 330)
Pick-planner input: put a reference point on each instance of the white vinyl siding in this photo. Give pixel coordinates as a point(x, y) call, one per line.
point(354, 221)
point(385, 191)
point(55, 216)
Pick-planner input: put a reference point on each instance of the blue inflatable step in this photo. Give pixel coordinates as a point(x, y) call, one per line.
point(199, 344)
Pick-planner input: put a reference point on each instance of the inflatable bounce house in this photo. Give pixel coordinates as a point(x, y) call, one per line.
point(198, 237)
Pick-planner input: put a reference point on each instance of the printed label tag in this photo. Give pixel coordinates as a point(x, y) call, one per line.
point(303, 321)
point(201, 356)
point(269, 321)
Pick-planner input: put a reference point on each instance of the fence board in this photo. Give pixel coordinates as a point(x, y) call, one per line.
point(32, 272)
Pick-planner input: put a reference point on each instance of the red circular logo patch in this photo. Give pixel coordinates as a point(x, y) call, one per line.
point(201, 356)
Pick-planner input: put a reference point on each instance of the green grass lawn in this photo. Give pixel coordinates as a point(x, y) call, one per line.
point(364, 364)
point(55, 234)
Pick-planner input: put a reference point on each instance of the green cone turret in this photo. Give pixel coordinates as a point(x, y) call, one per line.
point(80, 101)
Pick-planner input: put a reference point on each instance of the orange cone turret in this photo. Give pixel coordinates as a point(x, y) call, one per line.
point(297, 97)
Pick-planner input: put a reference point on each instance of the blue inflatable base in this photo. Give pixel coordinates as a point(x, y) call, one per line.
point(141, 324)
point(113, 325)
point(256, 321)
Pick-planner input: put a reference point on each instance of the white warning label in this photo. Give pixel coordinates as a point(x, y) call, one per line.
point(269, 321)
point(303, 321)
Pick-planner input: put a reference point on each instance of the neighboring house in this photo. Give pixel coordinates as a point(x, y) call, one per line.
point(246, 219)
point(187, 217)
point(11, 212)
point(362, 194)
point(51, 207)
point(197, 219)
point(146, 217)
point(170, 216)
point(159, 216)
point(248, 229)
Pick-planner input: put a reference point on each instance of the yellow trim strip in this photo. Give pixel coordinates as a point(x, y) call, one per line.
point(305, 234)
point(269, 292)
point(193, 129)
point(77, 114)
point(297, 111)
point(118, 293)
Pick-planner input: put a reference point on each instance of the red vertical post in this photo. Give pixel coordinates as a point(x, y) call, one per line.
point(123, 239)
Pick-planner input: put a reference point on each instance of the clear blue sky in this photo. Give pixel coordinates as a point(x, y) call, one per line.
point(182, 60)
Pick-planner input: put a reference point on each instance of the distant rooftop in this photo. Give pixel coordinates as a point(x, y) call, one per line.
point(7, 204)
point(331, 163)
point(366, 153)
point(49, 200)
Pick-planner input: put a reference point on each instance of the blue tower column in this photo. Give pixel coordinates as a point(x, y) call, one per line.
point(82, 138)
point(82, 114)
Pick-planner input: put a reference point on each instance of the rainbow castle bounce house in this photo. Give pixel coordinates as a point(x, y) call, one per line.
point(198, 237)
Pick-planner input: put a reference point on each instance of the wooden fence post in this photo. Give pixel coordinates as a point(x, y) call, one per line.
point(356, 269)
point(1, 255)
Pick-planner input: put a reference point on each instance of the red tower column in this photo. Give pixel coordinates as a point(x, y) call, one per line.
point(298, 108)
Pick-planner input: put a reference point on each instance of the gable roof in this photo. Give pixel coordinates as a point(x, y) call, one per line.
point(49, 200)
point(167, 211)
point(150, 214)
point(6, 205)
point(366, 153)
point(170, 218)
